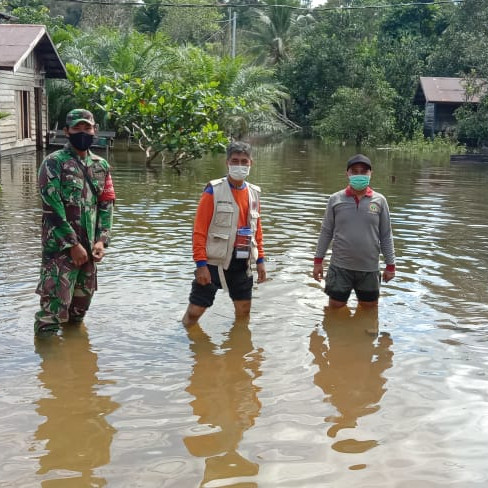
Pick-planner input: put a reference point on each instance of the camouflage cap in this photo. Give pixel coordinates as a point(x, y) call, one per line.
point(79, 115)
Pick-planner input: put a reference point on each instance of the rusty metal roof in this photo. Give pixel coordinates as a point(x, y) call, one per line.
point(17, 41)
point(443, 90)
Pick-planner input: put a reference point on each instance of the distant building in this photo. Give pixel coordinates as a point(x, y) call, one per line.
point(27, 58)
point(441, 97)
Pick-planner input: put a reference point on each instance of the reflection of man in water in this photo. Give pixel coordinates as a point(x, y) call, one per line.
point(225, 398)
point(351, 359)
point(75, 432)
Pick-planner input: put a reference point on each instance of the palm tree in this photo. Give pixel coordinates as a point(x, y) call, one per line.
point(111, 52)
point(274, 30)
point(263, 95)
point(256, 85)
point(60, 96)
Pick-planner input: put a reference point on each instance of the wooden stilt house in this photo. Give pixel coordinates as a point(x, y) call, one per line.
point(27, 57)
point(441, 97)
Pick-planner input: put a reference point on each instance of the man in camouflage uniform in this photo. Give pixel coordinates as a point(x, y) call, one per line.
point(77, 200)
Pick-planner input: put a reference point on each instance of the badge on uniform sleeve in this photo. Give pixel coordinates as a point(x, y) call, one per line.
point(108, 192)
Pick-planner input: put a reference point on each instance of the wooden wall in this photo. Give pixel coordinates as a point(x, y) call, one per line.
point(25, 79)
point(439, 118)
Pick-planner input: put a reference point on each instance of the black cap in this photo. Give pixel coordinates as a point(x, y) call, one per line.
point(358, 158)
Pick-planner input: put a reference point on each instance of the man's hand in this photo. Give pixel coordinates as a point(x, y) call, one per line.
point(318, 272)
point(202, 275)
point(388, 275)
point(98, 251)
point(78, 255)
point(261, 269)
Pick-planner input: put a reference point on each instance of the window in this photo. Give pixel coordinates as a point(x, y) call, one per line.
point(22, 103)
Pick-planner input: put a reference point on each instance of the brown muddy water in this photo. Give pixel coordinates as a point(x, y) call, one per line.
point(294, 398)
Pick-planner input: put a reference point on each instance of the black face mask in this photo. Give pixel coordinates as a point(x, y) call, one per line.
point(81, 140)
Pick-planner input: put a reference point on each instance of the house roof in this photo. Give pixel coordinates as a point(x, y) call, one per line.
point(443, 90)
point(17, 41)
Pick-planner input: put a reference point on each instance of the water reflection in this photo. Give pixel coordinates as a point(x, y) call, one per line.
point(351, 360)
point(225, 400)
point(76, 434)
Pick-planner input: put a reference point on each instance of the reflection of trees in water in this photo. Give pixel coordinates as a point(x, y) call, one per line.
point(76, 434)
point(351, 359)
point(225, 399)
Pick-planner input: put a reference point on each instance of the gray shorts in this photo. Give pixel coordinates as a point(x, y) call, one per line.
point(339, 282)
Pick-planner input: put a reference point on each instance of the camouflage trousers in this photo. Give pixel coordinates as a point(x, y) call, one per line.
point(66, 292)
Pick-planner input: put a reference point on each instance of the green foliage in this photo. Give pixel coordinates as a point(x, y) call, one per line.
point(35, 12)
point(110, 52)
point(262, 95)
point(418, 144)
point(173, 119)
point(426, 22)
point(60, 98)
point(360, 115)
point(273, 30)
point(462, 46)
point(37, 15)
point(191, 25)
point(256, 85)
point(472, 123)
point(148, 17)
point(322, 60)
point(4, 115)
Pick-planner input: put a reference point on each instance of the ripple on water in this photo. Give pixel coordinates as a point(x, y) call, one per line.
point(283, 402)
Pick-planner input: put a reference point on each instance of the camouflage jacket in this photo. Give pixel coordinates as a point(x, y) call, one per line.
point(72, 212)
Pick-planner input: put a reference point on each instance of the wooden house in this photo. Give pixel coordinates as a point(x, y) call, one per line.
point(441, 97)
point(27, 58)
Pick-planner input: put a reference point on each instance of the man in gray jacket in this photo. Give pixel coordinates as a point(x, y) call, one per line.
point(357, 223)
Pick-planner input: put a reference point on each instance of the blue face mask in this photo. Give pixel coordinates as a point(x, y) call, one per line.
point(359, 182)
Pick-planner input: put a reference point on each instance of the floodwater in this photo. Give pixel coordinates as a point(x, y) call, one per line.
point(297, 397)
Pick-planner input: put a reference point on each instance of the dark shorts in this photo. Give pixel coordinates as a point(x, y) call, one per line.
point(339, 283)
point(239, 282)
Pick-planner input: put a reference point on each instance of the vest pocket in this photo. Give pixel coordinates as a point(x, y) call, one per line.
point(223, 215)
point(217, 246)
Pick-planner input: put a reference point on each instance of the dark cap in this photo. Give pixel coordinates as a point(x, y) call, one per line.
point(79, 115)
point(358, 158)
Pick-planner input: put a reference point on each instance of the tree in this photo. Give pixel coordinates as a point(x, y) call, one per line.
point(191, 25)
point(462, 46)
point(256, 85)
point(273, 29)
point(174, 120)
point(320, 62)
point(60, 97)
point(34, 12)
point(472, 119)
point(112, 52)
point(361, 115)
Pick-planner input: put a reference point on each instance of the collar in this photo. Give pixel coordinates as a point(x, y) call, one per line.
point(350, 192)
point(236, 187)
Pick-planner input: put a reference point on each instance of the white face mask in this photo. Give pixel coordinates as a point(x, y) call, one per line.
point(238, 172)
